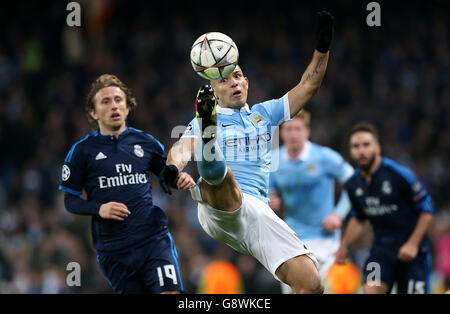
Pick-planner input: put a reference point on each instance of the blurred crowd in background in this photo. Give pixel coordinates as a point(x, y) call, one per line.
point(396, 76)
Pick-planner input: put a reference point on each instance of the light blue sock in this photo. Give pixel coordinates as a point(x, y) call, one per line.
point(210, 162)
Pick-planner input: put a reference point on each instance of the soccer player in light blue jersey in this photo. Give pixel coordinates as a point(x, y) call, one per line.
point(231, 143)
point(302, 190)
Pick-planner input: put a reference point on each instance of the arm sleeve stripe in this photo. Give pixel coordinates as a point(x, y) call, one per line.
point(69, 190)
point(404, 172)
point(287, 109)
point(426, 205)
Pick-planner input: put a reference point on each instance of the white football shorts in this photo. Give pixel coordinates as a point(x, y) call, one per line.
point(252, 229)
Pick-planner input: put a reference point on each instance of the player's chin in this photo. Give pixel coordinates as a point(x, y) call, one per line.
point(237, 102)
point(365, 163)
point(116, 125)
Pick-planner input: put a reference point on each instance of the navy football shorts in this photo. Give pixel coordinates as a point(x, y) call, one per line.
point(151, 268)
point(412, 278)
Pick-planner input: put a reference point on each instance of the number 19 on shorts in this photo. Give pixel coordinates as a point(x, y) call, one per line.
point(169, 273)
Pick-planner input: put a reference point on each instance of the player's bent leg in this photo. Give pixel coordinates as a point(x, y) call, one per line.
point(375, 288)
point(226, 196)
point(301, 274)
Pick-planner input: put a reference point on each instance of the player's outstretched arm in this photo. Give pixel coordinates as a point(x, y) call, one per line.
point(313, 76)
point(172, 176)
point(181, 152)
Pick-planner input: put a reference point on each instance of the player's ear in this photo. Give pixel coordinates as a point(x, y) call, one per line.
point(93, 114)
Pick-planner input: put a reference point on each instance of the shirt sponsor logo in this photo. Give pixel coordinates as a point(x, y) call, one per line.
point(374, 208)
point(120, 180)
point(248, 141)
point(125, 177)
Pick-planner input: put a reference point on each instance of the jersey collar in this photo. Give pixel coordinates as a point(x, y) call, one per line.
point(304, 154)
point(230, 111)
point(108, 136)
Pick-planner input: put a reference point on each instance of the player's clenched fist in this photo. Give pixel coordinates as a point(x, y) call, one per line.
point(185, 181)
point(408, 252)
point(114, 210)
point(324, 31)
point(332, 222)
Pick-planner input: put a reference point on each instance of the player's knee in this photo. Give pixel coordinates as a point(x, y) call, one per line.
point(301, 275)
point(313, 286)
point(317, 286)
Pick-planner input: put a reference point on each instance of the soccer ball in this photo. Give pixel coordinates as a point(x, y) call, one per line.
point(214, 56)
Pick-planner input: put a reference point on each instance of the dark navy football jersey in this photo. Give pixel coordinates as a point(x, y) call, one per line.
point(392, 201)
point(117, 169)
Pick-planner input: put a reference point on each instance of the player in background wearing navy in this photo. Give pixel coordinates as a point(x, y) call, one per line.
point(232, 146)
point(113, 164)
point(302, 190)
point(400, 211)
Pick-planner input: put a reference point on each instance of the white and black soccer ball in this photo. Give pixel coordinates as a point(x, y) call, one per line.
point(214, 56)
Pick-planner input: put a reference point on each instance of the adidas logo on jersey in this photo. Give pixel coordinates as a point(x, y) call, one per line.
point(100, 156)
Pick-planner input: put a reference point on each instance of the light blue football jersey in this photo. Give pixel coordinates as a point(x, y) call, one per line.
point(246, 136)
point(306, 186)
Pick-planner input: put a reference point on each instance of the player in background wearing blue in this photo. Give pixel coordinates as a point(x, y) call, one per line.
point(135, 249)
point(400, 211)
point(302, 190)
point(233, 155)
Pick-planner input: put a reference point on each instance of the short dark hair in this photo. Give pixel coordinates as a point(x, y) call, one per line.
point(106, 80)
point(364, 127)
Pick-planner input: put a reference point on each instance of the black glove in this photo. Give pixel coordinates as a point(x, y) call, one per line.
point(324, 31)
point(168, 178)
